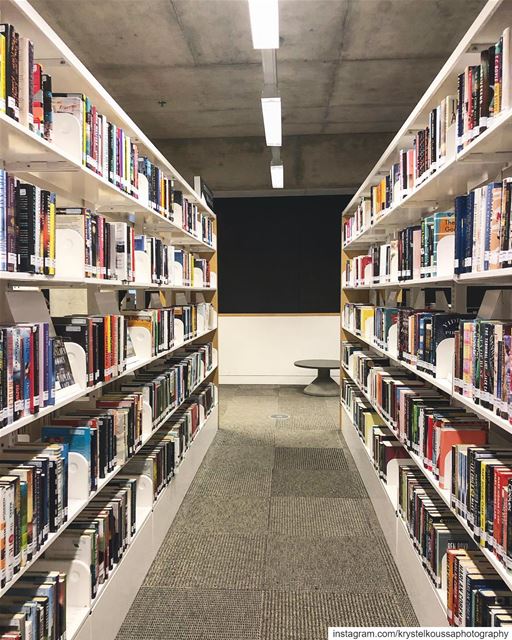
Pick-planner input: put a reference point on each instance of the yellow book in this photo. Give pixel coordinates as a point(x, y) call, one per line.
point(3, 74)
point(50, 267)
point(371, 420)
point(367, 313)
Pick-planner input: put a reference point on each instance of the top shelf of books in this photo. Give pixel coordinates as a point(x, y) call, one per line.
point(86, 122)
point(458, 132)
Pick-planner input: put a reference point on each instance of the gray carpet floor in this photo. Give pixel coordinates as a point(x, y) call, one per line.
point(276, 538)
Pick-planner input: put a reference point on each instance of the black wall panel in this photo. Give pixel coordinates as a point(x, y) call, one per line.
point(279, 255)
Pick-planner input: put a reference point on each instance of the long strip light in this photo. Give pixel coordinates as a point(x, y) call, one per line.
point(264, 15)
point(271, 108)
point(277, 175)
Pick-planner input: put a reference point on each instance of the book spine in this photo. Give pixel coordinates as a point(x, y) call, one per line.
point(25, 219)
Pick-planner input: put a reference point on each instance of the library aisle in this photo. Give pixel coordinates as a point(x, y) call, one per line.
point(276, 538)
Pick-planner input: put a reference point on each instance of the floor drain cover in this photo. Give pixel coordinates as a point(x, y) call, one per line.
point(280, 416)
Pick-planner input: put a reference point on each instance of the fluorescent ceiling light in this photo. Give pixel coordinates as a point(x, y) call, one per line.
point(277, 174)
point(271, 108)
point(264, 16)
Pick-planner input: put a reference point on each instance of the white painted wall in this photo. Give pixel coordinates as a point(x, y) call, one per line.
point(262, 349)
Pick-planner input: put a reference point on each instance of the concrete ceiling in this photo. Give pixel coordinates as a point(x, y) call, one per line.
point(345, 67)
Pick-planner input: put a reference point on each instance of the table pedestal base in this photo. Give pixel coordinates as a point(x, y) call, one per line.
point(323, 385)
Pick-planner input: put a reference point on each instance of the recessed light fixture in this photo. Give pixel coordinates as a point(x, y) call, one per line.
point(277, 175)
point(271, 108)
point(264, 15)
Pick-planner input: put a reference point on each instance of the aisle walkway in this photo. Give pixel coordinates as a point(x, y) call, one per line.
point(276, 539)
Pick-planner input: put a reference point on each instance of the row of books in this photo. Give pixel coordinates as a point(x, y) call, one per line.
point(484, 90)
point(159, 323)
point(101, 534)
point(443, 437)
point(482, 369)
point(431, 146)
point(25, 90)
point(415, 254)
point(33, 366)
point(420, 334)
point(104, 340)
point(35, 607)
point(420, 415)
point(481, 238)
point(483, 93)
point(106, 432)
point(475, 593)
point(27, 227)
point(108, 247)
point(166, 384)
point(450, 443)
point(159, 458)
point(482, 363)
point(481, 491)
point(171, 265)
point(27, 96)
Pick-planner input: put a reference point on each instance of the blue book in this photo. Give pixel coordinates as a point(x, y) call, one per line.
point(27, 364)
point(78, 439)
point(140, 243)
point(468, 234)
point(488, 216)
point(460, 231)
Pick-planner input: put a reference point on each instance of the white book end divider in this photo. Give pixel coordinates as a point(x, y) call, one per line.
point(177, 214)
point(143, 190)
point(69, 254)
point(142, 342)
point(445, 256)
point(447, 477)
point(368, 274)
point(215, 357)
point(178, 275)
point(201, 323)
point(78, 363)
point(147, 420)
point(67, 135)
point(368, 328)
point(445, 353)
point(198, 277)
point(213, 280)
point(78, 583)
point(142, 268)
point(214, 240)
point(213, 318)
point(393, 268)
point(144, 498)
point(179, 332)
point(78, 472)
point(393, 340)
point(392, 477)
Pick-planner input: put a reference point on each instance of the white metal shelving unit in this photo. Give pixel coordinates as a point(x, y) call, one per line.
point(50, 165)
point(479, 162)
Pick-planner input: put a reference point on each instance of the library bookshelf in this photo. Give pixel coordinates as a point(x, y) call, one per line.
point(375, 218)
point(57, 165)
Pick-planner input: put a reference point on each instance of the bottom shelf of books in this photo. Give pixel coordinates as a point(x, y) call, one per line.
point(87, 497)
point(445, 476)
